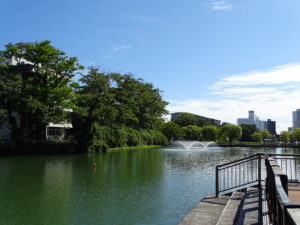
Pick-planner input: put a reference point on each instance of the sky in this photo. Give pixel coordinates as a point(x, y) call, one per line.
point(216, 58)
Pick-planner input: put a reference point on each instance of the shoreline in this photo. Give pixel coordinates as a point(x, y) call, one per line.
point(126, 148)
point(56, 148)
point(258, 145)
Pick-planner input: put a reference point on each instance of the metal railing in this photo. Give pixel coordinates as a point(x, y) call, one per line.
point(277, 171)
point(238, 174)
point(277, 194)
point(289, 164)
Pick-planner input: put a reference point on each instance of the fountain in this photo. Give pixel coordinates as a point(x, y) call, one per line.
point(192, 144)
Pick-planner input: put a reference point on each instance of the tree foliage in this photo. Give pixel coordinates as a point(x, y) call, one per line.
point(296, 135)
point(192, 132)
point(256, 136)
point(36, 86)
point(209, 133)
point(186, 119)
point(171, 130)
point(115, 100)
point(265, 135)
point(285, 137)
point(247, 131)
point(230, 133)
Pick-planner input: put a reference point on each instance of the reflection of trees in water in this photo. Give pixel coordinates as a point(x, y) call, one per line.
point(208, 160)
point(132, 165)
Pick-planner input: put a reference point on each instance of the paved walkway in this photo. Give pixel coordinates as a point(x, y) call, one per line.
point(294, 193)
point(207, 212)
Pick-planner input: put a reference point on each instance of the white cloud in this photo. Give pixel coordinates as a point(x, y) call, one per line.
point(121, 47)
point(279, 75)
point(220, 5)
point(272, 94)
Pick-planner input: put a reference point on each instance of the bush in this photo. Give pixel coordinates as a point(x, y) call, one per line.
point(103, 137)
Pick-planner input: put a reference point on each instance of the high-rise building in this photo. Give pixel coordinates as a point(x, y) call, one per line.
point(249, 120)
point(271, 126)
point(252, 119)
point(296, 118)
point(260, 124)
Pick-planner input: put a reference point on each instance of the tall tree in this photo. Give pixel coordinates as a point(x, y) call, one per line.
point(256, 136)
point(285, 137)
point(113, 101)
point(209, 133)
point(171, 130)
point(247, 131)
point(265, 135)
point(142, 102)
point(296, 134)
point(230, 132)
point(35, 85)
point(192, 132)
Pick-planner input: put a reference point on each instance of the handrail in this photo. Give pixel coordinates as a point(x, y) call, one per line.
point(241, 172)
point(238, 160)
point(275, 154)
point(230, 176)
point(277, 194)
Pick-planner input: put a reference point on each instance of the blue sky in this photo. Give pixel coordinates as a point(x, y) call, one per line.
point(217, 58)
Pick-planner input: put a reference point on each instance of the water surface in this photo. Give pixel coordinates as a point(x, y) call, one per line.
point(137, 187)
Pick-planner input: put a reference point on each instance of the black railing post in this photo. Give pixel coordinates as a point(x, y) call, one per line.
point(259, 170)
point(217, 181)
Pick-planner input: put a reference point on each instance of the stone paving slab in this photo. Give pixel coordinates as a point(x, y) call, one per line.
point(249, 214)
point(231, 210)
point(207, 212)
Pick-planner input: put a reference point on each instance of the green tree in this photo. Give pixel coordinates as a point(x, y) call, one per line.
point(265, 135)
point(3, 115)
point(171, 130)
point(186, 119)
point(209, 133)
point(247, 131)
point(36, 87)
point(139, 100)
point(256, 136)
point(296, 134)
point(230, 132)
point(192, 132)
point(122, 104)
point(292, 137)
point(285, 137)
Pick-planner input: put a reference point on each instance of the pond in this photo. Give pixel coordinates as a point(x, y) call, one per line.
point(136, 187)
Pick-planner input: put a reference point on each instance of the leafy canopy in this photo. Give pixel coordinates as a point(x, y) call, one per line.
point(35, 84)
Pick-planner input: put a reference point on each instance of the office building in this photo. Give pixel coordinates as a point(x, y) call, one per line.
point(208, 120)
point(296, 118)
point(271, 126)
point(260, 124)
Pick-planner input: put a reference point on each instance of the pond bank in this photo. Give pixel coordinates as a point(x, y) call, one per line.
point(273, 145)
point(54, 147)
point(134, 147)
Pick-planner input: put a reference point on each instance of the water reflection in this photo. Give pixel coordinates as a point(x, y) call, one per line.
point(153, 186)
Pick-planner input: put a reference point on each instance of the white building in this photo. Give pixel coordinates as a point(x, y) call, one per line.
point(296, 118)
point(252, 119)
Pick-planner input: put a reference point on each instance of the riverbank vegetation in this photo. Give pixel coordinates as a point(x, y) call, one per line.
point(189, 127)
point(106, 110)
point(98, 110)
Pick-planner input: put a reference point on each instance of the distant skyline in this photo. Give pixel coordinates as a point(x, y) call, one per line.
point(216, 58)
